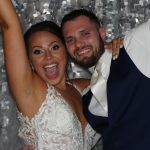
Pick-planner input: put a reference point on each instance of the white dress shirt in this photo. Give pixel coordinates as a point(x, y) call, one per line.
point(137, 45)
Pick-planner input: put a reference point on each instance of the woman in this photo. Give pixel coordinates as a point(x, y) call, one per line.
point(50, 107)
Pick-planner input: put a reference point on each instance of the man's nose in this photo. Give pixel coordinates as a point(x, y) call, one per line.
point(79, 42)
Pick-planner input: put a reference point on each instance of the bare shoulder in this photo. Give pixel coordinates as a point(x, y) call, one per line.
point(81, 83)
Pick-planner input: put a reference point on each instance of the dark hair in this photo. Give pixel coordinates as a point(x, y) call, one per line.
point(48, 26)
point(80, 12)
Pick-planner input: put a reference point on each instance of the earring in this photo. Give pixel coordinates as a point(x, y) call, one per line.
point(32, 67)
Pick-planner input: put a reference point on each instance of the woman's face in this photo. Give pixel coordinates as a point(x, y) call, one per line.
point(48, 57)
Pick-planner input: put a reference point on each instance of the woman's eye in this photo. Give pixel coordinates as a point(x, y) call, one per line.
point(55, 47)
point(37, 51)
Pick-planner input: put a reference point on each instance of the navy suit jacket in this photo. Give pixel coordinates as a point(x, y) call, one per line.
point(127, 126)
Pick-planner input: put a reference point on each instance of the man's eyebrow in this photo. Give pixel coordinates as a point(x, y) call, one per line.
point(84, 30)
point(68, 37)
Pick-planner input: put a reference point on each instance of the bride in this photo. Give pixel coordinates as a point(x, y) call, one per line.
point(49, 106)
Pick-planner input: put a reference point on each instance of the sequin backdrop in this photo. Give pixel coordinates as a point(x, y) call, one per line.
point(118, 17)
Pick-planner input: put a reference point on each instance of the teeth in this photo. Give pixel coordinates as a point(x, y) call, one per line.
point(50, 66)
point(83, 52)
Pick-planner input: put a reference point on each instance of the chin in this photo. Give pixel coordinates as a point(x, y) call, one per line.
point(53, 82)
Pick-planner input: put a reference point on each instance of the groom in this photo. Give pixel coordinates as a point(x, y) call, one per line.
point(117, 104)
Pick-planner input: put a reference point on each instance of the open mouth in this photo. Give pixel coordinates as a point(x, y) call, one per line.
point(51, 70)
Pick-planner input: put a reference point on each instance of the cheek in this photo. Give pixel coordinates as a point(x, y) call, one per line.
point(70, 48)
point(94, 42)
point(35, 63)
point(64, 58)
point(92, 39)
point(61, 56)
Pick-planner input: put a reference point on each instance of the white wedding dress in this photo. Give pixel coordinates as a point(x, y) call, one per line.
point(56, 127)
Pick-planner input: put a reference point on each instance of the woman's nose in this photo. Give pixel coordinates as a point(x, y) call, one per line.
point(48, 55)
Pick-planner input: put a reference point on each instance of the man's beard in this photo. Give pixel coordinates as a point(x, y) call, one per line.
point(88, 62)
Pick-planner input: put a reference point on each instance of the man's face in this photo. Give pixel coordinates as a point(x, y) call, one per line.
point(83, 41)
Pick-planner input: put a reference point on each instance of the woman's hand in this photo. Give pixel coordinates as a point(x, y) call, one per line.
point(115, 46)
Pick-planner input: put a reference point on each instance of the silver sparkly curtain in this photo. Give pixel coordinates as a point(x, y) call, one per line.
point(118, 17)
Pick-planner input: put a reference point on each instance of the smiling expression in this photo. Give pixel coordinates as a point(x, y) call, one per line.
point(83, 41)
point(48, 56)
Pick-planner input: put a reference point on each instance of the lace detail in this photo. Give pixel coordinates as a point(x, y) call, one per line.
point(55, 126)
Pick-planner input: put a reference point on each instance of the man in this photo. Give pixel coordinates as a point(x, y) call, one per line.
point(117, 104)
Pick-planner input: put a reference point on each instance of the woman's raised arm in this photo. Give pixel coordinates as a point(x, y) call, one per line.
point(17, 65)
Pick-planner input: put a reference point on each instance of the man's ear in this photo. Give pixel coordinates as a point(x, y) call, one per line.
point(102, 32)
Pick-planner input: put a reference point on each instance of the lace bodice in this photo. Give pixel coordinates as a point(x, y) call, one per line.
point(55, 126)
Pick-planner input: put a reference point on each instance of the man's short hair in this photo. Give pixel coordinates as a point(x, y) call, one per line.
point(80, 12)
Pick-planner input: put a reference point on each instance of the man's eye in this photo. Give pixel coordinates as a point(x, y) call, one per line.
point(69, 41)
point(86, 33)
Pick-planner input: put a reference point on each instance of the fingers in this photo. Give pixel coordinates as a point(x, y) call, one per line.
point(115, 46)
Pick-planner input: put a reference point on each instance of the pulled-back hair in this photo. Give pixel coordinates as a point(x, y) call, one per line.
point(80, 12)
point(48, 26)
